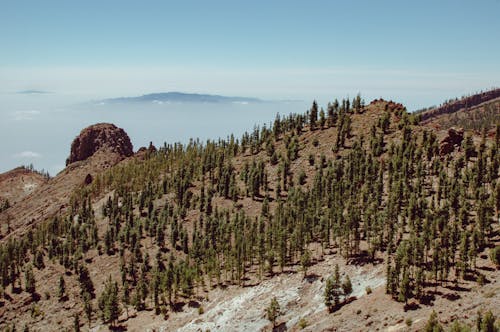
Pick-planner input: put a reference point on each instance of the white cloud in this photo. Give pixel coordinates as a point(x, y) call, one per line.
point(27, 154)
point(25, 115)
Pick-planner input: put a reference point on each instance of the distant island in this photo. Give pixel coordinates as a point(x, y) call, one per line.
point(32, 92)
point(180, 97)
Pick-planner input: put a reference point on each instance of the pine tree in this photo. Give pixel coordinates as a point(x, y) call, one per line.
point(433, 324)
point(62, 288)
point(488, 322)
point(305, 261)
point(329, 293)
point(468, 146)
point(313, 115)
point(273, 311)
point(404, 289)
point(109, 302)
point(76, 323)
point(126, 296)
point(322, 119)
point(347, 287)
point(87, 307)
point(29, 278)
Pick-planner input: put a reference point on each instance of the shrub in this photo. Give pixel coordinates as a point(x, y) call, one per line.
point(303, 323)
point(302, 177)
point(495, 256)
point(311, 159)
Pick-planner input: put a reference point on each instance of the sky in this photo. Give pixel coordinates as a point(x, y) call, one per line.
point(419, 53)
point(406, 50)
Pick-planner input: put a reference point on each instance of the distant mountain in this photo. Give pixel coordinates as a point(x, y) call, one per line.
point(32, 92)
point(180, 97)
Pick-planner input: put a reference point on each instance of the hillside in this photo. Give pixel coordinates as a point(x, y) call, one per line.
point(16, 184)
point(478, 117)
point(202, 236)
point(472, 112)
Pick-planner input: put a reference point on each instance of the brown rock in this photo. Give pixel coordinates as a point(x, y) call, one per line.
point(96, 137)
point(144, 152)
point(454, 138)
point(88, 179)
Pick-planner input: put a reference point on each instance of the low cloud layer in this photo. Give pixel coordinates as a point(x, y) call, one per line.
point(25, 115)
point(27, 154)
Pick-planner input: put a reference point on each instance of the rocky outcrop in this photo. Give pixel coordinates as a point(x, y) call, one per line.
point(88, 179)
point(100, 136)
point(390, 105)
point(144, 152)
point(452, 139)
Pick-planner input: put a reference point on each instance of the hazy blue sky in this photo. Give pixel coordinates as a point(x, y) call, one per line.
point(418, 52)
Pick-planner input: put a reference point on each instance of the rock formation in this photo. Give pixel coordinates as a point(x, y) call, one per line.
point(454, 138)
point(99, 136)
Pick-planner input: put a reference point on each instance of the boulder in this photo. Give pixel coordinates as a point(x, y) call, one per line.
point(453, 139)
point(97, 137)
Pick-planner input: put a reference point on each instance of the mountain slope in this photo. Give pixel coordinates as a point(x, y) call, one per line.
point(460, 108)
point(225, 225)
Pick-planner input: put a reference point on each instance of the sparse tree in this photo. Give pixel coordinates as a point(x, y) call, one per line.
point(61, 293)
point(305, 261)
point(347, 287)
point(273, 311)
point(433, 324)
point(29, 278)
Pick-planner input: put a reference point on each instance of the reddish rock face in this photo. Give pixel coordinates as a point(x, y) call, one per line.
point(96, 137)
point(454, 138)
point(88, 179)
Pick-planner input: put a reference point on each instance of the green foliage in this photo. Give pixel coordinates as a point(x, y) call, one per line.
point(459, 327)
point(273, 311)
point(29, 280)
point(334, 289)
point(61, 291)
point(347, 287)
point(109, 302)
point(303, 323)
point(87, 307)
point(4, 205)
point(313, 115)
point(486, 322)
point(330, 293)
point(495, 256)
point(305, 261)
point(433, 324)
point(76, 323)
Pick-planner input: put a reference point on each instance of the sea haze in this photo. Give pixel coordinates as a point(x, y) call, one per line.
point(39, 128)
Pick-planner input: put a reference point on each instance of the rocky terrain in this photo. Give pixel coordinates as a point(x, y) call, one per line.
point(34, 198)
point(105, 184)
point(97, 137)
point(19, 183)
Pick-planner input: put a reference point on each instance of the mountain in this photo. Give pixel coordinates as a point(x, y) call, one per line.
point(363, 217)
point(180, 97)
point(32, 92)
